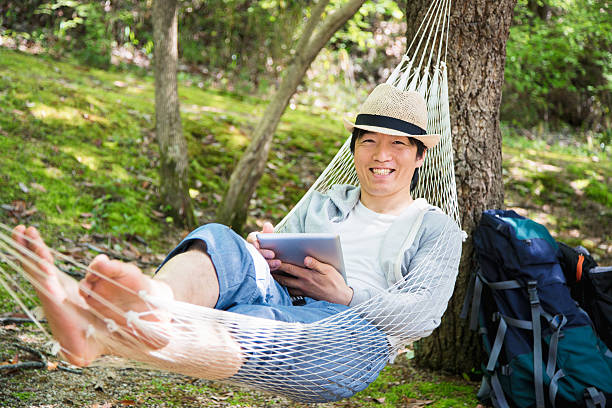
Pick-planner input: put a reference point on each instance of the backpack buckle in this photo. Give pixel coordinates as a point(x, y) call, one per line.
point(533, 292)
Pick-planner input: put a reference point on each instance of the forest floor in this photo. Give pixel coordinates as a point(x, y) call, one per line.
point(78, 160)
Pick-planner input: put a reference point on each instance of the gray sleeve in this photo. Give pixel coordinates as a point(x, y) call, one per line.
point(414, 307)
point(296, 219)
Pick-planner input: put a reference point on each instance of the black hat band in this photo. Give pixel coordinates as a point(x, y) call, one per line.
point(365, 119)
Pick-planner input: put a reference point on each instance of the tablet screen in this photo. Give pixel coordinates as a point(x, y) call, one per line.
point(293, 248)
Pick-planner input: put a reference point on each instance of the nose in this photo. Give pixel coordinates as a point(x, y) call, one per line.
point(382, 153)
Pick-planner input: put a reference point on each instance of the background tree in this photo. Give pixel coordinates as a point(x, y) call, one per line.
point(172, 145)
point(476, 56)
point(249, 169)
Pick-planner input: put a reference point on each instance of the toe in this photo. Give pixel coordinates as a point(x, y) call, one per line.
point(37, 245)
point(98, 265)
point(18, 232)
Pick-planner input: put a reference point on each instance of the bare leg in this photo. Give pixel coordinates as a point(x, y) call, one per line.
point(189, 273)
point(189, 277)
point(66, 311)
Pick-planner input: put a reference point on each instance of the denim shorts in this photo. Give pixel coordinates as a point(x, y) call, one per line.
point(337, 370)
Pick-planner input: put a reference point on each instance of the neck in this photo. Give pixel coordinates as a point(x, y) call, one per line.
point(386, 205)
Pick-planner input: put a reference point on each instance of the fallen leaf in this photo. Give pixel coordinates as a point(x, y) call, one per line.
point(86, 215)
point(86, 226)
point(31, 211)
point(19, 206)
point(24, 188)
point(127, 402)
point(415, 403)
point(38, 187)
point(158, 214)
point(9, 327)
point(51, 366)
point(128, 254)
point(380, 400)
point(99, 386)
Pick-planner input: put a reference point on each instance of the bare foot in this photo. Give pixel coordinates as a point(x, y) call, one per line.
point(112, 289)
point(65, 310)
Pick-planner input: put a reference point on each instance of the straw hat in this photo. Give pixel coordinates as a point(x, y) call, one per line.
point(393, 112)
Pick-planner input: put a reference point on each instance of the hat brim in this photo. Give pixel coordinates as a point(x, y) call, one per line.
point(428, 140)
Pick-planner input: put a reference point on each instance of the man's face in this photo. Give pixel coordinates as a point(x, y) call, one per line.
point(385, 165)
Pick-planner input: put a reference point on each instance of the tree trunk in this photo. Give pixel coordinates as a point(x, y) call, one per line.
point(172, 145)
point(476, 55)
point(250, 168)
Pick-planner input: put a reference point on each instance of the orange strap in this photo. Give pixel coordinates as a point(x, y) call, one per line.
point(579, 267)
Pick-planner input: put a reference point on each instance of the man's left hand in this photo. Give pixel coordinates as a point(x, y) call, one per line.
point(318, 280)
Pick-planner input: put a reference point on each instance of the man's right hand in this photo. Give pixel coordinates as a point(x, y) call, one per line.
point(268, 254)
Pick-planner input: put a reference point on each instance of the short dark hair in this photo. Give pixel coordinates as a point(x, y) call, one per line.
point(358, 133)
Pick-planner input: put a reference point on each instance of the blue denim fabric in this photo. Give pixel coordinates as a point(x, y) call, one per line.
point(337, 370)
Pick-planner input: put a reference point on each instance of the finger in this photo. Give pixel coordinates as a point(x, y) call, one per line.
point(285, 280)
point(316, 265)
point(267, 253)
point(294, 270)
point(268, 227)
point(252, 239)
point(274, 264)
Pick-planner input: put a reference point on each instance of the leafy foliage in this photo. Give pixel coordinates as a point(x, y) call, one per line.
point(559, 64)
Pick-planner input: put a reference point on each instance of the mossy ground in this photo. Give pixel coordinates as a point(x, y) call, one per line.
point(78, 159)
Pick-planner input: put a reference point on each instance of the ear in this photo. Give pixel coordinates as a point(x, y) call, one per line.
point(420, 160)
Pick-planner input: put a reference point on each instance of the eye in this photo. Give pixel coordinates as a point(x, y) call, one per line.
point(367, 140)
point(399, 142)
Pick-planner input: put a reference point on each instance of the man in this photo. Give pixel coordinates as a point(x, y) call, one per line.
point(387, 238)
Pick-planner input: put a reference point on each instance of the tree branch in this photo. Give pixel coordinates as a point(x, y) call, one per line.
point(17, 320)
point(332, 24)
point(311, 24)
point(23, 366)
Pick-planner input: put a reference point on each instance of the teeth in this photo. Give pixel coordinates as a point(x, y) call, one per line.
point(381, 172)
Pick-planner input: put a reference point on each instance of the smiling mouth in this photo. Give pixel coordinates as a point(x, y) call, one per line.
point(381, 172)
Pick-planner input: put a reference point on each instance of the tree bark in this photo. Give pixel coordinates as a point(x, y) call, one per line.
point(478, 33)
point(250, 168)
point(172, 145)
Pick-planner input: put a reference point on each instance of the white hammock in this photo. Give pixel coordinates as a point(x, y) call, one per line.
point(332, 358)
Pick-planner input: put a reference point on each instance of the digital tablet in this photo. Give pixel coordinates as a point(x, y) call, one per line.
point(293, 248)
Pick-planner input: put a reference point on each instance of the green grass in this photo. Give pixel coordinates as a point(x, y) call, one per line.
point(568, 188)
point(394, 388)
point(84, 139)
point(23, 396)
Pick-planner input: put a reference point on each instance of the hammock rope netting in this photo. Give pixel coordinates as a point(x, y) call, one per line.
point(321, 361)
